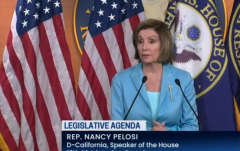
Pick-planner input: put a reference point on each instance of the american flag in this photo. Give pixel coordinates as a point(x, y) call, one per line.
point(108, 49)
point(36, 78)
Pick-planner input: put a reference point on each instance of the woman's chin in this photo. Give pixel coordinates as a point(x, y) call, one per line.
point(147, 61)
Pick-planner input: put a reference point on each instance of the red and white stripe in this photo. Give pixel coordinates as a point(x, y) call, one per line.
point(36, 87)
point(104, 55)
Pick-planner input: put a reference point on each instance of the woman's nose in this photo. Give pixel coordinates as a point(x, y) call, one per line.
point(145, 46)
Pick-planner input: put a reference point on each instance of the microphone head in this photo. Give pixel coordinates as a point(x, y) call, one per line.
point(144, 79)
point(177, 81)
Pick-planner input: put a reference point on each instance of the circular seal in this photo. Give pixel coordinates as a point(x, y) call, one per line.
point(81, 17)
point(234, 38)
point(198, 44)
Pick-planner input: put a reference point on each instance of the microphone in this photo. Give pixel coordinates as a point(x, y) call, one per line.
point(177, 81)
point(144, 79)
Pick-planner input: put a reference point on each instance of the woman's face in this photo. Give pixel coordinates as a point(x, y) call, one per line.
point(148, 45)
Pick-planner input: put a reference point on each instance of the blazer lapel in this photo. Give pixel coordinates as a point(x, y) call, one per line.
point(164, 84)
point(137, 80)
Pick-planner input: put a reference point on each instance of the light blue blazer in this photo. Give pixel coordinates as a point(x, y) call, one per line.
point(175, 112)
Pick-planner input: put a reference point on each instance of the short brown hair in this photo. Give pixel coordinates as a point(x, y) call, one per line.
point(164, 35)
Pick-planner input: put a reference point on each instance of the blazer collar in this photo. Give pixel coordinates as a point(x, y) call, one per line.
point(137, 76)
point(164, 83)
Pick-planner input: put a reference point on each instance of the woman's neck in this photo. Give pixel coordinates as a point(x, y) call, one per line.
point(152, 68)
point(154, 73)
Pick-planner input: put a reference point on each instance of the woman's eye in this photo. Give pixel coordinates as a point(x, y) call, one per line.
point(151, 41)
